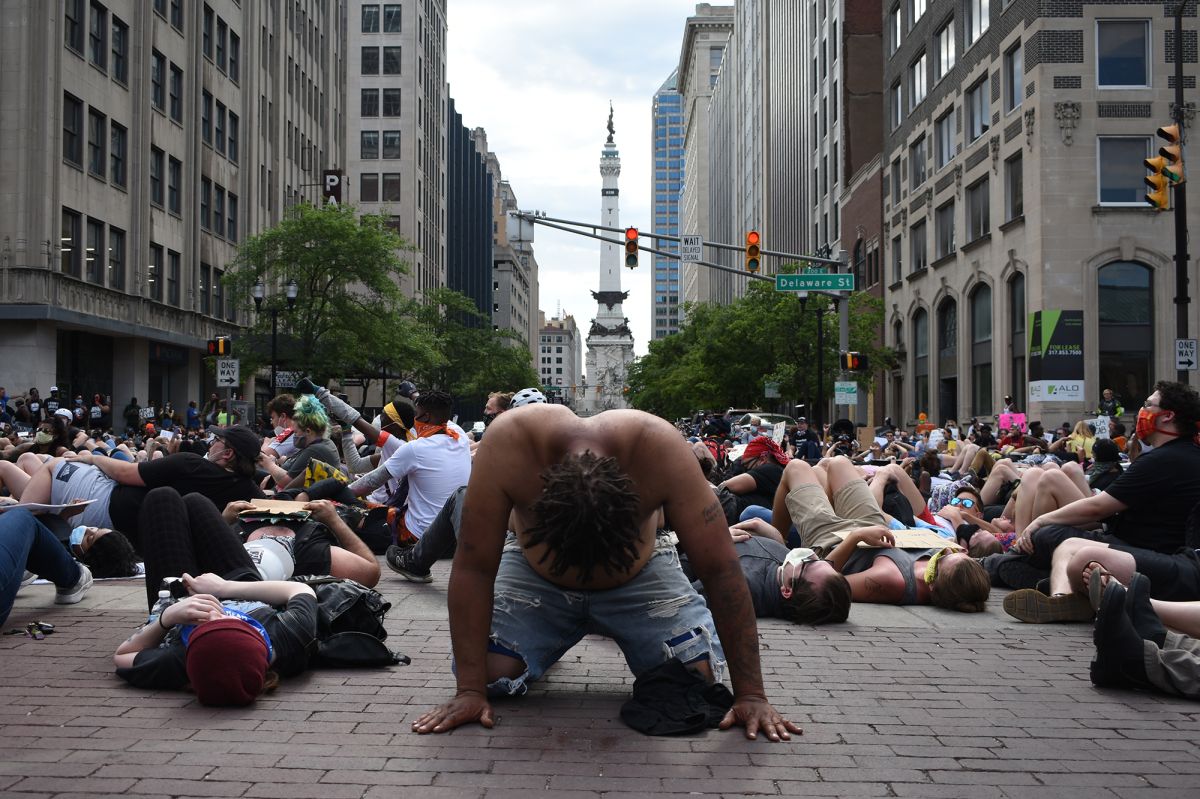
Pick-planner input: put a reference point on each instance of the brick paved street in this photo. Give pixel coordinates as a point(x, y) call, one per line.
point(896, 703)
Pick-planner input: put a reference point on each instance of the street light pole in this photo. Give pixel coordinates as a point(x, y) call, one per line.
point(259, 293)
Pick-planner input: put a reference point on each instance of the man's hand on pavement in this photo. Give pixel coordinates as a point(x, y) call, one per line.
point(466, 707)
point(756, 715)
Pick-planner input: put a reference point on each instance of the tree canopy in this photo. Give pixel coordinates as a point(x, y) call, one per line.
point(723, 355)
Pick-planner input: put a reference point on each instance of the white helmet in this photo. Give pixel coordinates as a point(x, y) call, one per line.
point(526, 396)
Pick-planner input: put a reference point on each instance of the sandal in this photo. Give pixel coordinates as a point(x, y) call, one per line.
point(1097, 582)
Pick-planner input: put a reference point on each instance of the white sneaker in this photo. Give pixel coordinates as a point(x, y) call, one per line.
point(27, 578)
point(69, 596)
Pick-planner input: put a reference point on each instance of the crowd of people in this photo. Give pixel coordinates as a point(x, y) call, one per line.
point(676, 543)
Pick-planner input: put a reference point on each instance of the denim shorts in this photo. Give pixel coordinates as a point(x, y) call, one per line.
point(655, 616)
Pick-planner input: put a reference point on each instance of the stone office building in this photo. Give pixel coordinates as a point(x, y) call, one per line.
point(140, 142)
point(1013, 150)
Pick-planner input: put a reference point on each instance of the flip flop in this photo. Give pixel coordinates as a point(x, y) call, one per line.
point(1097, 582)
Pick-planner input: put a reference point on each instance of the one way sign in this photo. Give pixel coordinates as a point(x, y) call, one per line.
point(1185, 354)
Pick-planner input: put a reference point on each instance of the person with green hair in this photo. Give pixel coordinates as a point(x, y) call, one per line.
point(310, 423)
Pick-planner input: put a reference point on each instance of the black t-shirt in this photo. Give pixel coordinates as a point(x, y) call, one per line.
point(760, 559)
point(1160, 489)
point(293, 633)
point(766, 480)
point(187, 473)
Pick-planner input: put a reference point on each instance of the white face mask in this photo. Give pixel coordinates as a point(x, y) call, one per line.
point(791, 568)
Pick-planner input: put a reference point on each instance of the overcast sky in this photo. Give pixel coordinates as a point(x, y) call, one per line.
point(538, 76)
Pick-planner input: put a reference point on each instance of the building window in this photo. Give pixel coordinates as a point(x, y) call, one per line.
point(896, 100)
point(978, 210)
point(231, 220)
point(920, 328)
point(368, 187)
point(177, 15)
point(222, 37)
point(235, 57)
point(120, 51)
point(369, 145)
point(978, 14)
point(391, 187)
point(93, 256)
point(1016, 324)
point(176, 94)
point(173, 278)
point(1126, 314)
point(391, 102)
point(895, 181)
point(916, 9)
point(978, 110)
point(917, 156)
point(174, 179)
point(116, 258)
point(157, 158)
point(70, 255)
point(918, 73)
point(218, 214)
point(370, 18)
point(205, 283)
point(947, 49)
point(73, 25)
point(897, 261)
point(206, 39)
point(391, 18)
point(944, 131)
point(1014, 72)
point(981, 351)
point(219, 128)
point(918, 245)
point(370, 103)
point(894, 30)
point(391, 61)
point(391, 144)
point(218, 294)
point(370, 61)
point(97, 143)
point(944, 229)
point(117, 141)
point(158, 69)
point(205, 203)
point(206, 112)
point(1014, 188)
point(98, 37)
point(1120, 171)
point(233, 137)
point(154, 272)
point(947, 356)
point(1123, 53)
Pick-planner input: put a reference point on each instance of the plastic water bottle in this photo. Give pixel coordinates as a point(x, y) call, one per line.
point(164, 601)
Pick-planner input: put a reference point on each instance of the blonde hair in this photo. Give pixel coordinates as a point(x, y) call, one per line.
point(1082, 428)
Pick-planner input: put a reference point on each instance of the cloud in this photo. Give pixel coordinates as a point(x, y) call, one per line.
point(538, 77)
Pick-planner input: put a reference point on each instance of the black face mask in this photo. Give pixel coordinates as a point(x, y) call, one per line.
point(490, 417)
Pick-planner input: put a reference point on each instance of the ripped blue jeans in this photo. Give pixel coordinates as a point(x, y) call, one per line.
point(655, 616)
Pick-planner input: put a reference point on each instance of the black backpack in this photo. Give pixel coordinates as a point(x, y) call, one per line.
point(350, 629)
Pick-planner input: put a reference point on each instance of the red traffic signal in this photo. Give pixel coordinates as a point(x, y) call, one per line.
point(220, 347)
point(631, 247)
point(853, 362)
point(753, 251)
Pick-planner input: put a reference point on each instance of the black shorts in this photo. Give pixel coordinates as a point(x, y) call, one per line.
point(1175, 578)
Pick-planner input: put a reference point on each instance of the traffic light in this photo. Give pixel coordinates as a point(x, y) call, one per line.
point(220, 347)
point(631, 247)
point(753, 251)
point(1172, 152)
point(1159, 195)
point(853, 362)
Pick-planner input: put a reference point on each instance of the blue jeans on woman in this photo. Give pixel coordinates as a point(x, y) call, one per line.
point(26, 543)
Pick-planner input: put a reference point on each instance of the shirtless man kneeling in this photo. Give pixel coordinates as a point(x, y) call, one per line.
point(584, 557)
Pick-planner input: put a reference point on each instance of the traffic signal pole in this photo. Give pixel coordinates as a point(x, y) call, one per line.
point(1181, 228)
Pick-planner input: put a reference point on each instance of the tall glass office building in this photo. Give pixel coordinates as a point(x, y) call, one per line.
point(668, 179)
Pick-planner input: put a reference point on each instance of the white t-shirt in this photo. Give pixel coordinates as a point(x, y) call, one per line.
point(435, 467)
point(387, 448)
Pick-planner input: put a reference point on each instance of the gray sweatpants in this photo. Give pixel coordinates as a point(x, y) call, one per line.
point(1175, 668)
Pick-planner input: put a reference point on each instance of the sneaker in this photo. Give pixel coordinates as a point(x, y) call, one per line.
point(27, 578)
point(69, 596)
point(399, 560)
point(1033, 607)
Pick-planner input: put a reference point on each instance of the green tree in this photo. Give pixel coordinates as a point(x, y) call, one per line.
point(723, 355)
point(350, 317)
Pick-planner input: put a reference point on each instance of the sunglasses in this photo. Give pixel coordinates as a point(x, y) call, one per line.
point(965, 502)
